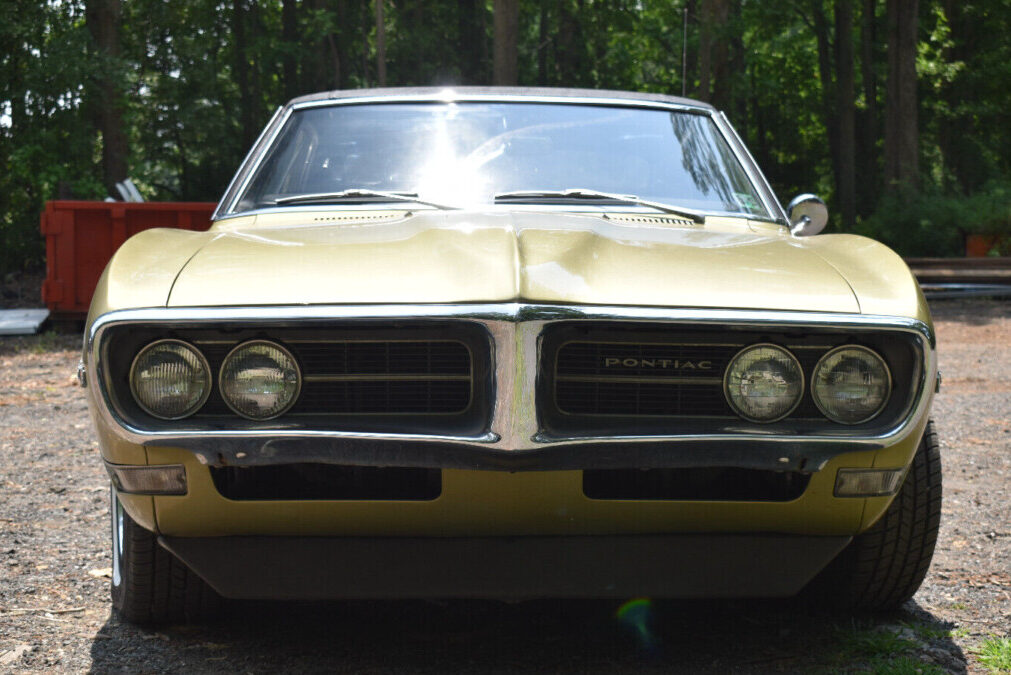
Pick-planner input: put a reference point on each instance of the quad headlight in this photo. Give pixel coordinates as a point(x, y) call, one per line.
point(170, 379)
point(851, 384)
point(764, 383)
point(260, 380)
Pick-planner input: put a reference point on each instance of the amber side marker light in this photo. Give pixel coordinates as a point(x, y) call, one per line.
point(169, 479)
point(867, 482)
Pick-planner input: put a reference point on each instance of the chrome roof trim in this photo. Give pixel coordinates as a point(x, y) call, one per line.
point(450, 95)
point(515, 328)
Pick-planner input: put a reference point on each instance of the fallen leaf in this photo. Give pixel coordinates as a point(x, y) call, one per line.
point(101, 572)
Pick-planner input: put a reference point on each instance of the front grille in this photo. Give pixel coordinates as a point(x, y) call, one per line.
point(309, 481)
point(608, 378)
point(389, 377)
point(424, 377)
point(631, 378)
point(697, 484)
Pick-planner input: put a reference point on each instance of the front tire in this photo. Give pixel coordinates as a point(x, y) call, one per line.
point(150, 585)
point(884, 566)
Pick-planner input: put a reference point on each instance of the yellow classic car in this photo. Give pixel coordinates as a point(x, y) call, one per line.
point(510, 343)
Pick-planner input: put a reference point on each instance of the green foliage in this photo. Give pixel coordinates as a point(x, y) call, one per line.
point(201, 77)
point(995, 654)
point(934, 224)
point(44, 134)
point(880, 649)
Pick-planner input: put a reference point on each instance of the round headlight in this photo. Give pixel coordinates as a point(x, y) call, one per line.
point(260, 380)
point(851, 384)
point(170, 379)
point(764, 383)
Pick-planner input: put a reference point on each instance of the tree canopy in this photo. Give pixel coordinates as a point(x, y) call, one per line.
point(895, 111)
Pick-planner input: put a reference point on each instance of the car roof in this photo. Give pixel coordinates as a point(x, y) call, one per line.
point(504, 92)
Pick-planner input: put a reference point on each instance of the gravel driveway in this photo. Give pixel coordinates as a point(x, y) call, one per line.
point(54, 566)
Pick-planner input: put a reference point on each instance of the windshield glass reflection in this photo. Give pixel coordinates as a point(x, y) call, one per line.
point(464, 153)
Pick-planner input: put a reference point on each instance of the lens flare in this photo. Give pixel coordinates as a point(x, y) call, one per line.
point(637, 616)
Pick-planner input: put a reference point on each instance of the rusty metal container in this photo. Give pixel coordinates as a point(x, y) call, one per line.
point(81, 237)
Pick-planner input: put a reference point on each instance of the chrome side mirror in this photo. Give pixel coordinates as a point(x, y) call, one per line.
point(808, 215)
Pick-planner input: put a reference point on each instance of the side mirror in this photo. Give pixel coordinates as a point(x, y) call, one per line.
point(808, 215)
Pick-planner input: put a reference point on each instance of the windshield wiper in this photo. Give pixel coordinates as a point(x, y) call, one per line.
point(584, 193)
point(358, 195)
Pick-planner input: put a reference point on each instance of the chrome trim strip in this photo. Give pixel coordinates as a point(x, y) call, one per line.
point(393, 377)
point(614, 213)
point(450, 95)
point(251, 162)
point(254, 158)
point(515, 329)
point(751, 167)
point(627, 379)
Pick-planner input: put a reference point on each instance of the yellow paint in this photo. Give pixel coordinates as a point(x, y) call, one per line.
point(501, 255)
point(141, 509)
point(476, 503)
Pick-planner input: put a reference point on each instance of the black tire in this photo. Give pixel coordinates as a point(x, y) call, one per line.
point(149, 584)
point(884, 566)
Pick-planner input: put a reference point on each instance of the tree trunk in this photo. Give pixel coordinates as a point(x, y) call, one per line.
point(290, 46)
point(255, 80)
point(736, 104)
point(339, 43)
point(542, 46)
point(828, 86)
point(504, 66)
point(901, 132)
point(567, 58)
point(421, 57)
point(691, 54)
point(868, 157)
point(102, 18)
point(242, 73)
point(380, 44)
point(714, 53)
point(846, 110)
point(469, 38)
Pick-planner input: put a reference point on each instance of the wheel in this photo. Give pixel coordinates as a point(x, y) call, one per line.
point(884, 566)
point(149, 584)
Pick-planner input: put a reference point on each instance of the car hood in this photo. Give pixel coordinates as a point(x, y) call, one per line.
point(505, 256)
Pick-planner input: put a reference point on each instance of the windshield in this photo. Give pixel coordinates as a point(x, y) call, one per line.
point(466, 153)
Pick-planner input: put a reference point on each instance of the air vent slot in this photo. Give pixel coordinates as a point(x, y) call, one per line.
point(651, 220)
point(312, 481)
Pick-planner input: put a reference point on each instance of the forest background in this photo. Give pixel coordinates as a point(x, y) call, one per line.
point(897, 112)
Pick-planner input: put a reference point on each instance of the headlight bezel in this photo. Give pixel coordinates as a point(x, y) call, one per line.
point(208, 376)
point(727, 385)
point(299, 379)
point(885, 400)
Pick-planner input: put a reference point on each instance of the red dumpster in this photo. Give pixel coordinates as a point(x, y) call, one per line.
point(82, 236)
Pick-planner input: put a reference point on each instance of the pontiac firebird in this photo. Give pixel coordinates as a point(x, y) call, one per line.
point(507, 343)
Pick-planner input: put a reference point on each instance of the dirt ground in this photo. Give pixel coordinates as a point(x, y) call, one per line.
point(54, 566)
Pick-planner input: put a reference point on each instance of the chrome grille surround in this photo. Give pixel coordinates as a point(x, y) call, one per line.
point(671, 377)
point(513, 431)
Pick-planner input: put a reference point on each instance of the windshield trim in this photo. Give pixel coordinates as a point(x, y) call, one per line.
point(249, 166)
point(600, 210)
